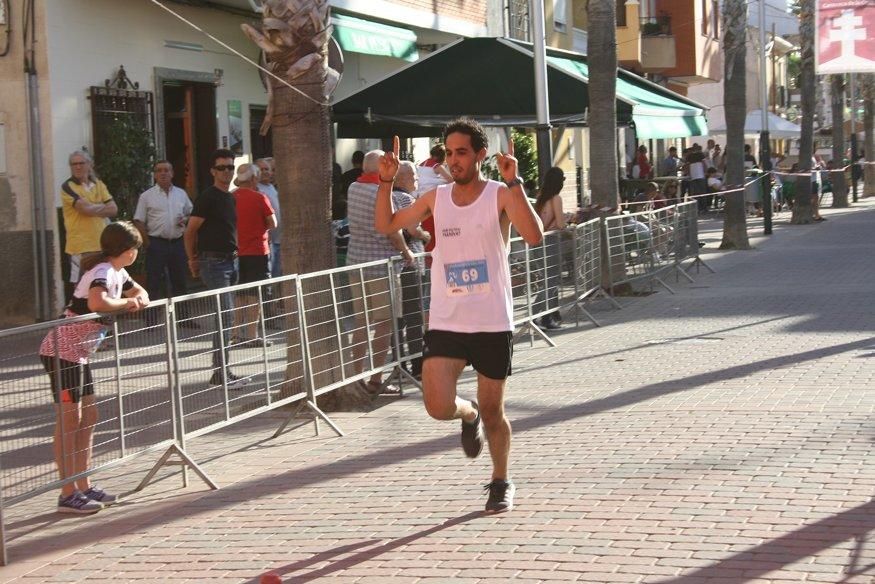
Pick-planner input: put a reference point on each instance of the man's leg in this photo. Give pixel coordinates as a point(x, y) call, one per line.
point(177, 266)
point(157, 255)
point(439, 377)
point(490, 395)
point(380, 347)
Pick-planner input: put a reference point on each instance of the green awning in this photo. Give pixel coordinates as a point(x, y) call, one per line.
point(655, 111)
point(496, 87)
point(372, 38)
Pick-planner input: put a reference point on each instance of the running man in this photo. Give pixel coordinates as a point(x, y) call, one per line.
point(470, 319)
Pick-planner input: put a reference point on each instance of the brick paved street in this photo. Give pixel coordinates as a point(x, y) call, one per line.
point(722, 434)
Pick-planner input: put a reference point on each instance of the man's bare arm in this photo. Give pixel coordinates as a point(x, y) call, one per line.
point(96, 209)
point(386, 219)
point(521, 214)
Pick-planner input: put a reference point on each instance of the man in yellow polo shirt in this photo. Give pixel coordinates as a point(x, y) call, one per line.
point(87, 207)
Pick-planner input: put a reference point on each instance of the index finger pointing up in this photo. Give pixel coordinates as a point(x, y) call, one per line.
point(396, 146)
point(510, 146)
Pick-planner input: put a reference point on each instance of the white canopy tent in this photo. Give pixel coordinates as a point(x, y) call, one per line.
point(779, 128)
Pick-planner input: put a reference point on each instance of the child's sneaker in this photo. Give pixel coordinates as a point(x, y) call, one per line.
point(97, 494)
point(78, 504)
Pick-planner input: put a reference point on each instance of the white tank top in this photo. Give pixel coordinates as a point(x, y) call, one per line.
point(470, 277)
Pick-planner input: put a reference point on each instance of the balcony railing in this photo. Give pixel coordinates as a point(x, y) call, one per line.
point(655, 25)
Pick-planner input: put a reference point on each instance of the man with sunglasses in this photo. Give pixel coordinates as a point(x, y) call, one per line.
point(211, 246)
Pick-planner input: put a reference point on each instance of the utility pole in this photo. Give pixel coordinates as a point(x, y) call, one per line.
point(539, 40)
point(765, 148)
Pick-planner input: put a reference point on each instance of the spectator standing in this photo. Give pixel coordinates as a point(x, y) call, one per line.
point(433, 170)
point(267, 188)
point(548, 206)
point(698, 183)
point(255, 218)
point(352, 175)
point(671, 162)
point(161, 216)
point(87, 207)
point(211, 246)
point(411, 274)
point(105, 286)
point(642, 161)
point(366, 245)
point(749, 160)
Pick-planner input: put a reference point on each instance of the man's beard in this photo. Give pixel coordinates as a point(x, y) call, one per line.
point(467, 179)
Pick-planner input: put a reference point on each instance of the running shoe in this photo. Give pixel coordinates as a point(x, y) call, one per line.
point(500, 496)
point(472, 435)
point(78, 504)
point(95, 493)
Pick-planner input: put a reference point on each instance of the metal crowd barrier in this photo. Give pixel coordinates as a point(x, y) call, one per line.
point(130, 414)
point(195, 364)
point(646, 244)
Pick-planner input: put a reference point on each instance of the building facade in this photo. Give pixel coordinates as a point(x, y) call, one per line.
point(193, 94)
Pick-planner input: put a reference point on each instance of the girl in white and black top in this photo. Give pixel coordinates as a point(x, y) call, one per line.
point(105, 286)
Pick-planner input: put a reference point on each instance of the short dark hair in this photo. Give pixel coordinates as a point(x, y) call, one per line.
point(358, 157)
point(220, 153)
point(472, 129)
point(670, 148)
point(438, 152)
point(162, 161)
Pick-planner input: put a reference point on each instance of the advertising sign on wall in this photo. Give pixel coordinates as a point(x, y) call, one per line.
point(843, 33)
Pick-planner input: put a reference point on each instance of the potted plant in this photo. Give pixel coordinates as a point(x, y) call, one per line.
point(125, 155)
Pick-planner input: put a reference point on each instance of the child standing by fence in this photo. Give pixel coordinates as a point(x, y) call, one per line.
point(105, 286)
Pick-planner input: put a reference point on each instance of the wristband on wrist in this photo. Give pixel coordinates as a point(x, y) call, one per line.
point(512, 183)
point(391, 180)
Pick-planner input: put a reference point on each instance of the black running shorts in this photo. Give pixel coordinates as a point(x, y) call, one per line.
point(75, 379)
point(489, 353)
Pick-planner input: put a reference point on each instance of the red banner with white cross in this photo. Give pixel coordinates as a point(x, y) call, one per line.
point(844, 33)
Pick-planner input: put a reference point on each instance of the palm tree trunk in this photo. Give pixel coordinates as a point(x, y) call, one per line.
point(602, 119)
point(294, 37)
point(867, 91)
point(602, 61)
point(837, 99)
point(734, 88)
point(802, 210)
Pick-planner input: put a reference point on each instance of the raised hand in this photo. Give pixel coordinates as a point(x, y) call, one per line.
point(507, 164)
point(389, 162)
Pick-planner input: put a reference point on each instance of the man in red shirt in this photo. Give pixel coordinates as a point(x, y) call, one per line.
point(255, 218)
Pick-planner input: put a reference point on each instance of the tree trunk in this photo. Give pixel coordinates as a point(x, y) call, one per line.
point(837, 100)
point(294, 37)
point(602, 119)
point(602, 61)
point(867, 92)
point(802, 210)
point(734, 89)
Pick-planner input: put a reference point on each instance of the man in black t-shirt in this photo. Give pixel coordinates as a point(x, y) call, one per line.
point(351, 175)
point(211, 245)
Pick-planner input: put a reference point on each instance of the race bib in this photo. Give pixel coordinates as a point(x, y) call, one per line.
point(465, 278)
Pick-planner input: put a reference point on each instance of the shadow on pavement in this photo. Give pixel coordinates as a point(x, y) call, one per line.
point(362, 556)
point(298, 478)
point(757, 561)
